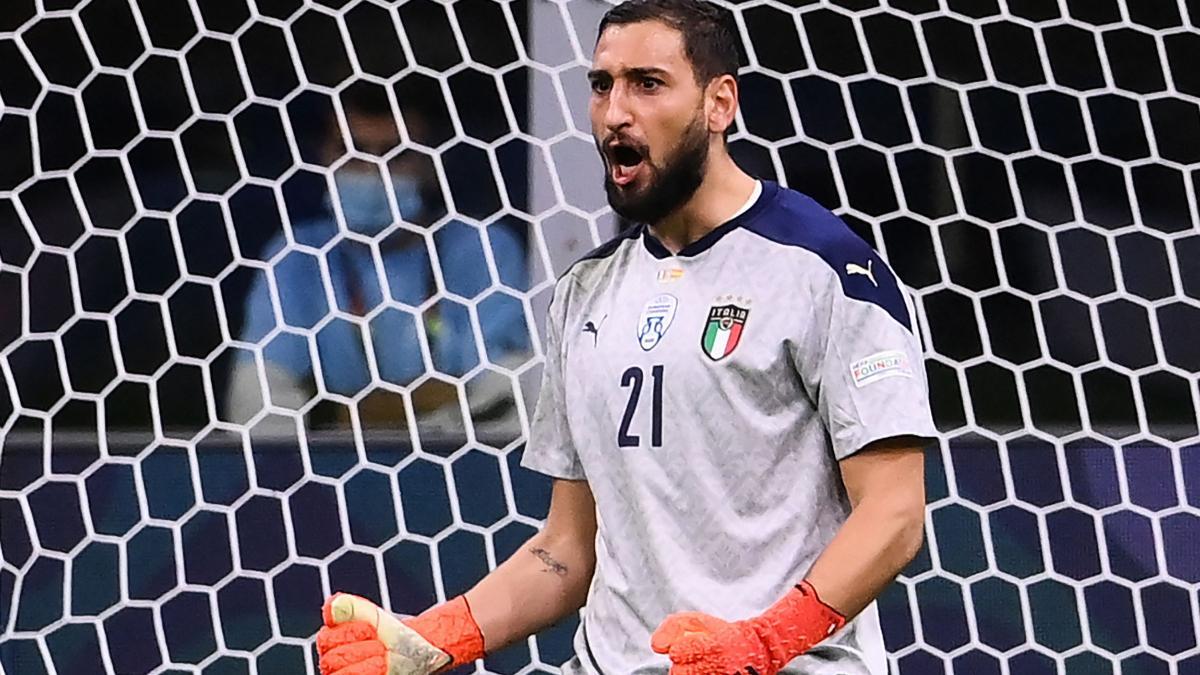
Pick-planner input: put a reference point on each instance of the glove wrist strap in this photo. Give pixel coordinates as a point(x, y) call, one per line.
point(451, 628)
point(796, 623)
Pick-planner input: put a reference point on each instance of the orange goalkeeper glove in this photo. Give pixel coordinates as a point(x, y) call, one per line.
point(700, 644)
point(359, 638)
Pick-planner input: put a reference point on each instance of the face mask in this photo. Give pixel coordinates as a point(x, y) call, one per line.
point(365, 204)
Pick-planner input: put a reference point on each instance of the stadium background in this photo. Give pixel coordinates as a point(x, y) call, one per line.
point(1029, 167)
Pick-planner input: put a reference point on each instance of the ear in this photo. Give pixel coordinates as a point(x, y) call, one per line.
point(721, 96)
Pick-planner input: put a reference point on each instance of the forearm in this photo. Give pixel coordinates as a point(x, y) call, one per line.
point(544, 581)
point(876, 542)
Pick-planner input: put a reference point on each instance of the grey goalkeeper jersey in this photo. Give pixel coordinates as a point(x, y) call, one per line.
point(707, 397)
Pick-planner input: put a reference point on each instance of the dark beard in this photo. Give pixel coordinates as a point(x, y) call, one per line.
point(666, 188)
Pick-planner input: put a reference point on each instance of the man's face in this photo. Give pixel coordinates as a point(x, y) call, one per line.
point(372, 135)
point(648, 120)
point(362, 189)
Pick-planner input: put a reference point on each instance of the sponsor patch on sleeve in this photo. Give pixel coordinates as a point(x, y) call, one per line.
point(876, 367)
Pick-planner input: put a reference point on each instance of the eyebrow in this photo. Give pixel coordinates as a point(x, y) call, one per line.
point(637, 72)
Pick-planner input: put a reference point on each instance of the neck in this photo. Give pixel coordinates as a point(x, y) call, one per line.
point(724, 190)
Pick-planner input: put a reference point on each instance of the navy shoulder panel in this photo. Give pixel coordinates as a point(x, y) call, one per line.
point(608, 248)
point(795, 219)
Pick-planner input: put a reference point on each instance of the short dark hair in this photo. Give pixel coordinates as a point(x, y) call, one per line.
point(366, 98)
point(710, 38)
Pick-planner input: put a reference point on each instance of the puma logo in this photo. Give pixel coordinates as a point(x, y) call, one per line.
point(594, 329)
point(867, 272)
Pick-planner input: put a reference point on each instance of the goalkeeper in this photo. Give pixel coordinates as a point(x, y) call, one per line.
point(733, 406)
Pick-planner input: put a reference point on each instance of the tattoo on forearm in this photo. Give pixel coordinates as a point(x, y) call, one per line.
point(548, 560)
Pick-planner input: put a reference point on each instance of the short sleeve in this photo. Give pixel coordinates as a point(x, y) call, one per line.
point(862, 362)
point(550, 449)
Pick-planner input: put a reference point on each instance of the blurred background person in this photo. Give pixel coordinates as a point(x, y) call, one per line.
point(367, 297)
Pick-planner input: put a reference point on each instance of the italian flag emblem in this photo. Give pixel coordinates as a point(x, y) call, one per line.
point(723, 330)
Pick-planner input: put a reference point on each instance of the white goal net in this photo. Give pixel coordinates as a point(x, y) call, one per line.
point(237, 371)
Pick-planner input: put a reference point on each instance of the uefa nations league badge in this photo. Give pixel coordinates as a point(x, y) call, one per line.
point(656, 318)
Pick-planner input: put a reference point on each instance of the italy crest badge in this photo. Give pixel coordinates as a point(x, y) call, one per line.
point(723, 331)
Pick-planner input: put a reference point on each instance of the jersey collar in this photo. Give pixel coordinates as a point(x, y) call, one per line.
point(656, 248)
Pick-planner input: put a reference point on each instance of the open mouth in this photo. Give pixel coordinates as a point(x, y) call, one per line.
point(624, 163)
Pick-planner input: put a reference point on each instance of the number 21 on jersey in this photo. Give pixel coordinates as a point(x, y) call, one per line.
point(633, 379)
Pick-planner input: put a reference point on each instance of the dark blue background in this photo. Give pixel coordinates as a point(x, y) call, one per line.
point(1065, 533)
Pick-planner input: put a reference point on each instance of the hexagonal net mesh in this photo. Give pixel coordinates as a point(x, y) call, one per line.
point(230, 385)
